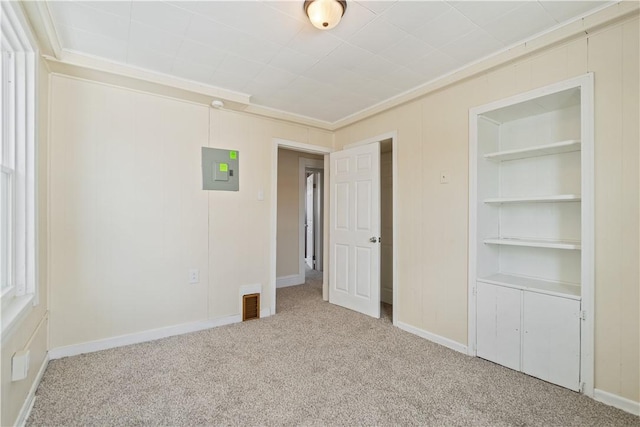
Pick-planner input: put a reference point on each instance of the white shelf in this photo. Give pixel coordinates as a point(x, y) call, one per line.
point(539, 150)
point(533, 243)
point(566, 290)
point(536, 199)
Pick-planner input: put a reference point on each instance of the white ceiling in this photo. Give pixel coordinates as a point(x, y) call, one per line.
point(269, 49)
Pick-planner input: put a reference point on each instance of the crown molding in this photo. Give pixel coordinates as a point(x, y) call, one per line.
point(100, 70)
point(582, 26)
point(39, 17)
point(63, 61)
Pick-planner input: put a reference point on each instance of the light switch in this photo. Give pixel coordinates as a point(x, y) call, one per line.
point(444, 177)
point(261, 195)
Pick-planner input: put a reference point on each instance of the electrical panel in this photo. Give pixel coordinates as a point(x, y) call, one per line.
point(220, 169)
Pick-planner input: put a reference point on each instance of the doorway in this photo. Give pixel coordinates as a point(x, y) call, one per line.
point(388, 142)
point(313, 216)
point(292, 164)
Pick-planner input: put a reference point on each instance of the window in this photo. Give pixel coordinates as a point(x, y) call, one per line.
point(17, 163)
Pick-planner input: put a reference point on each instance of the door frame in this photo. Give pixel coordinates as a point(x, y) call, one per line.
point(273, 226)
point(322, 150)
point(393, 136)
point(303, 165)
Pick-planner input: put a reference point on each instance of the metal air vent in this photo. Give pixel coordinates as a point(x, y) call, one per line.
point(250, 307)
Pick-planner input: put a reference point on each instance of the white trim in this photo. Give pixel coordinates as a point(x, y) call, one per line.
point(472, 233)
point(325, 232)
point(395, 224)
point(291, 280)
point(273, 223)
point(303, 164)
point(616, 401)
point(453, 345)
point(14, 313)
point(584, 24)
point(72, 63)
point(27, 406)
point(40, 15)
point(587, 273)
point(145, 336)
point(379, 138)
point(250, 289)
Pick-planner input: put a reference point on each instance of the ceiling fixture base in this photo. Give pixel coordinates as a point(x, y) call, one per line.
point(325, 14)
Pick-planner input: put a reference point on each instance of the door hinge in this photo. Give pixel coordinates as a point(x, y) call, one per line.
point(583, 315)
point(314, 186)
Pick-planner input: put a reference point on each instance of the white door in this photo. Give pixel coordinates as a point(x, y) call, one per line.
point(498, 324)
point(551, 340)
point(309, 221)
point(354, 223)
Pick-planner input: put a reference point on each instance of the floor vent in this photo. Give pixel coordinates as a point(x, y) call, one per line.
point(250, 307)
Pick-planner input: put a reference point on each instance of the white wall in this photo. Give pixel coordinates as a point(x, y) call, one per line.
point(432, 217)
point(129, 217)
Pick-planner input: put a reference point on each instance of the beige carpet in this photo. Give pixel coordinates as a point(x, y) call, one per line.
point(311, 364)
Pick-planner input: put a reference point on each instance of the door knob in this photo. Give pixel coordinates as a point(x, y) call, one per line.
point(373, 240)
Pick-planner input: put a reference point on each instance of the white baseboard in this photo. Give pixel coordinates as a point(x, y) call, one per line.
point(616, 401)
point(145, 336)
point(453, 345)
point(386, 295)
point(292, 280)
point(151, 335)
point(27, 406)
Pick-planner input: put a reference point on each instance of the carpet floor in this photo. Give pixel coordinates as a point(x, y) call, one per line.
point(311, 364)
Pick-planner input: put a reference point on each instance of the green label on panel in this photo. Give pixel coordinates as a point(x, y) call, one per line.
point(233, 155)
point(224, 167)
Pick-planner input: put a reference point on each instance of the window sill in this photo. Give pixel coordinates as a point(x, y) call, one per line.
point(15, 312)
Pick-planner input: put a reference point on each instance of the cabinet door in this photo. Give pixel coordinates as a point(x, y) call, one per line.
point(551, 339)
point(498, 324)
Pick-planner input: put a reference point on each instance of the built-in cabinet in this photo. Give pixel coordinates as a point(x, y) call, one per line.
point(531, 232)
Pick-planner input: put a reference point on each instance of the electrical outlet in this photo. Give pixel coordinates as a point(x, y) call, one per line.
point(194, 276)
point(444, 177)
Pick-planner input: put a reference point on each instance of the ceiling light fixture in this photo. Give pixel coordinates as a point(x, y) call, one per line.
point(325, 14)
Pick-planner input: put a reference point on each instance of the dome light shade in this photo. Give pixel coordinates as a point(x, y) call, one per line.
point(325, 14)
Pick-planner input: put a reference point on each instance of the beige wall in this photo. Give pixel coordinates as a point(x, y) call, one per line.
point(432, 222)
point(288, 252)
point(31, 333)
point(129, 217)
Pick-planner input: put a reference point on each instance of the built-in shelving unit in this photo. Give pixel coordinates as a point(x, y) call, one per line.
point(531, 243)
point(531, 232)
point(535, 199)
point(535, 151)
point(566, 290)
